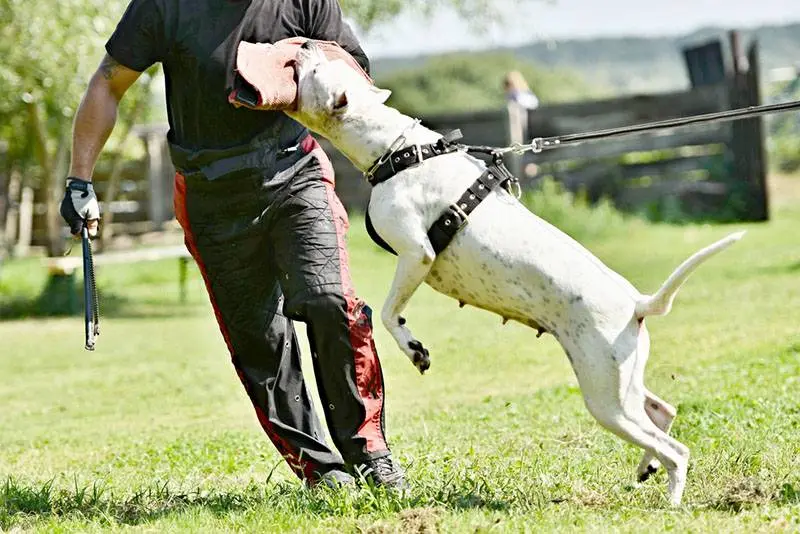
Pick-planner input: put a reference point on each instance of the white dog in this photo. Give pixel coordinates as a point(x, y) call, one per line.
point(505, 260)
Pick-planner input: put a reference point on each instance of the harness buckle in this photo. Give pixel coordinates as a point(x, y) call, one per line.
point(418, 152)
point(396, 145)
point(461, 213)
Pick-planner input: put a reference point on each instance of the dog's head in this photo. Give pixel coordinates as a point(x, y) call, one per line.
point(328, 92)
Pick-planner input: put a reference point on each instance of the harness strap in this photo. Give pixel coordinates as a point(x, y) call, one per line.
point(445, 228)
point(402, 159)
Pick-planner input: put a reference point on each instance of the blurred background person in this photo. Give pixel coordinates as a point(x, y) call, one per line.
point(517, 90)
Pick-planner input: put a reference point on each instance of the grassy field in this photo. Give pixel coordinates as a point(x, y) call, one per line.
point(153, 432)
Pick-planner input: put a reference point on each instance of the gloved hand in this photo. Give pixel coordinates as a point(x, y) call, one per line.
point(79, 206)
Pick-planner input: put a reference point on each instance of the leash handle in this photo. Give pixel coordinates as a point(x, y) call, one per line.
point(90, 299)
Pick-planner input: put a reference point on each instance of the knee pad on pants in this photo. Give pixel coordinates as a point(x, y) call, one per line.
point(311, 308)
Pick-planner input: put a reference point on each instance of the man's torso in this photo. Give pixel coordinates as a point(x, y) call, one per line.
point(201, 38)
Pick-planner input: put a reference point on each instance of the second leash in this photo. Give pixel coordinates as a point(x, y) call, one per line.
point(90, 297)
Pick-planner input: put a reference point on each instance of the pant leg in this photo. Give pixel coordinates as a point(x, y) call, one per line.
point(308, 234)
point(229, 247)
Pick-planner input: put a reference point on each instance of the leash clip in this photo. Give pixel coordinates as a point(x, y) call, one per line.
point(537, 145)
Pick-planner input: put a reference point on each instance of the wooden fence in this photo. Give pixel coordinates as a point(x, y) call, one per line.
point(706, 170)
point(709, 169)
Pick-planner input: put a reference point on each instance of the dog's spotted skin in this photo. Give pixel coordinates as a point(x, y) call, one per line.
point(506, 260)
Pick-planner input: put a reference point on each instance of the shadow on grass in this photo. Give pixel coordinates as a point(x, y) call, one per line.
point(60, 297)
point(774, 269)
point(23, 504)
point(751, 492)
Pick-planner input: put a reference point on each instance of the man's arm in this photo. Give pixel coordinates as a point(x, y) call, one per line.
point(97, 114)
point(325, 23)
point(93, 123)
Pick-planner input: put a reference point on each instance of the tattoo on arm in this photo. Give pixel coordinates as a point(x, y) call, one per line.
point(109, 67)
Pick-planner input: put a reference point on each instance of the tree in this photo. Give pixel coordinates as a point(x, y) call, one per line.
point(368, 13)
point(49, 50)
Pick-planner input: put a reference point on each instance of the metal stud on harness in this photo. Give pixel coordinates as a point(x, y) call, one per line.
point(456, 216)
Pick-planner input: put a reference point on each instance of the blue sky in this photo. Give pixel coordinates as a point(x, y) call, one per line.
point(543, 20)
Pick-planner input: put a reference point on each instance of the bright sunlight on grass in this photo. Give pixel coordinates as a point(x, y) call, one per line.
point(153, 432)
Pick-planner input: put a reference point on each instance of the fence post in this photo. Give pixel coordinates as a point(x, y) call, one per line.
point(757, 161)
point(25, 221)
point(155, 175)
point(4, 178)
point(747, 141)
point(159, 175)
point(517, 128)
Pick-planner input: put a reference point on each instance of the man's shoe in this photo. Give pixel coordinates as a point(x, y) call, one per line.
point(383, 472)
point(335, 479)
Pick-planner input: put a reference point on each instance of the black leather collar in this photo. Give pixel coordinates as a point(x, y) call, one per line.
point(410, 156)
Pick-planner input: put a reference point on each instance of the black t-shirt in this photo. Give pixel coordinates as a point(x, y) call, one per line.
point(196, 42)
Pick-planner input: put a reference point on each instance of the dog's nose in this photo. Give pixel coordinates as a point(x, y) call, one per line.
point(308, 45)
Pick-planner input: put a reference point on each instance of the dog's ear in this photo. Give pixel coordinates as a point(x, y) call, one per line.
point(338, 101)
point(382, 94)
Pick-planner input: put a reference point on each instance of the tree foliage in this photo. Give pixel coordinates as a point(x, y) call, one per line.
point(461, 82)
point(368, 13)
point(49, 50)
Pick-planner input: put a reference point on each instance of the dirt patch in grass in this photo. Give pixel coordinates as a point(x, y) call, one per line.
point(412, 521)
point(744, 493)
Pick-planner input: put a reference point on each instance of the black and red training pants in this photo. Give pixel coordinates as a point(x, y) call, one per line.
point(271, 249)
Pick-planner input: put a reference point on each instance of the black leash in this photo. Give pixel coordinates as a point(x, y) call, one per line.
point(546, 143)
point(90, 300)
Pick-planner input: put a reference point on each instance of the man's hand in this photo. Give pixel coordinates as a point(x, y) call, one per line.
point(79, 206)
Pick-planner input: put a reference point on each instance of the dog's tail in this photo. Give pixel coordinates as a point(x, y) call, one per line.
point(661, 302)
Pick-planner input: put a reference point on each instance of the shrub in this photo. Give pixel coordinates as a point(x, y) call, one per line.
point(572, 213)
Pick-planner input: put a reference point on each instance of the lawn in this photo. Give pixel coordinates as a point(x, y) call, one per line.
point(153, 432)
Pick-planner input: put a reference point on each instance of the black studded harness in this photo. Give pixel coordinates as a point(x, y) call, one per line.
point(455, 216)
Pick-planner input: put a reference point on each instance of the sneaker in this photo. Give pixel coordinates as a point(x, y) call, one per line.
point(334, 479)
point(383, 472)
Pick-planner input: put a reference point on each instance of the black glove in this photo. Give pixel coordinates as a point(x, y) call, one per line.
point(79, 205)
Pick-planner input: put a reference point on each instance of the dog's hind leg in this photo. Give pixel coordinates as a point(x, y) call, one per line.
point(661, 413)
point(413, 265)
point(626, 417)
point(615, 395)
point(637, 428)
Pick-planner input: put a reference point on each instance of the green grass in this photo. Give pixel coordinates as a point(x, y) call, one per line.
point(153, 432)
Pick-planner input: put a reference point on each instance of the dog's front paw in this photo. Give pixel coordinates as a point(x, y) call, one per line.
point(419, 356)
